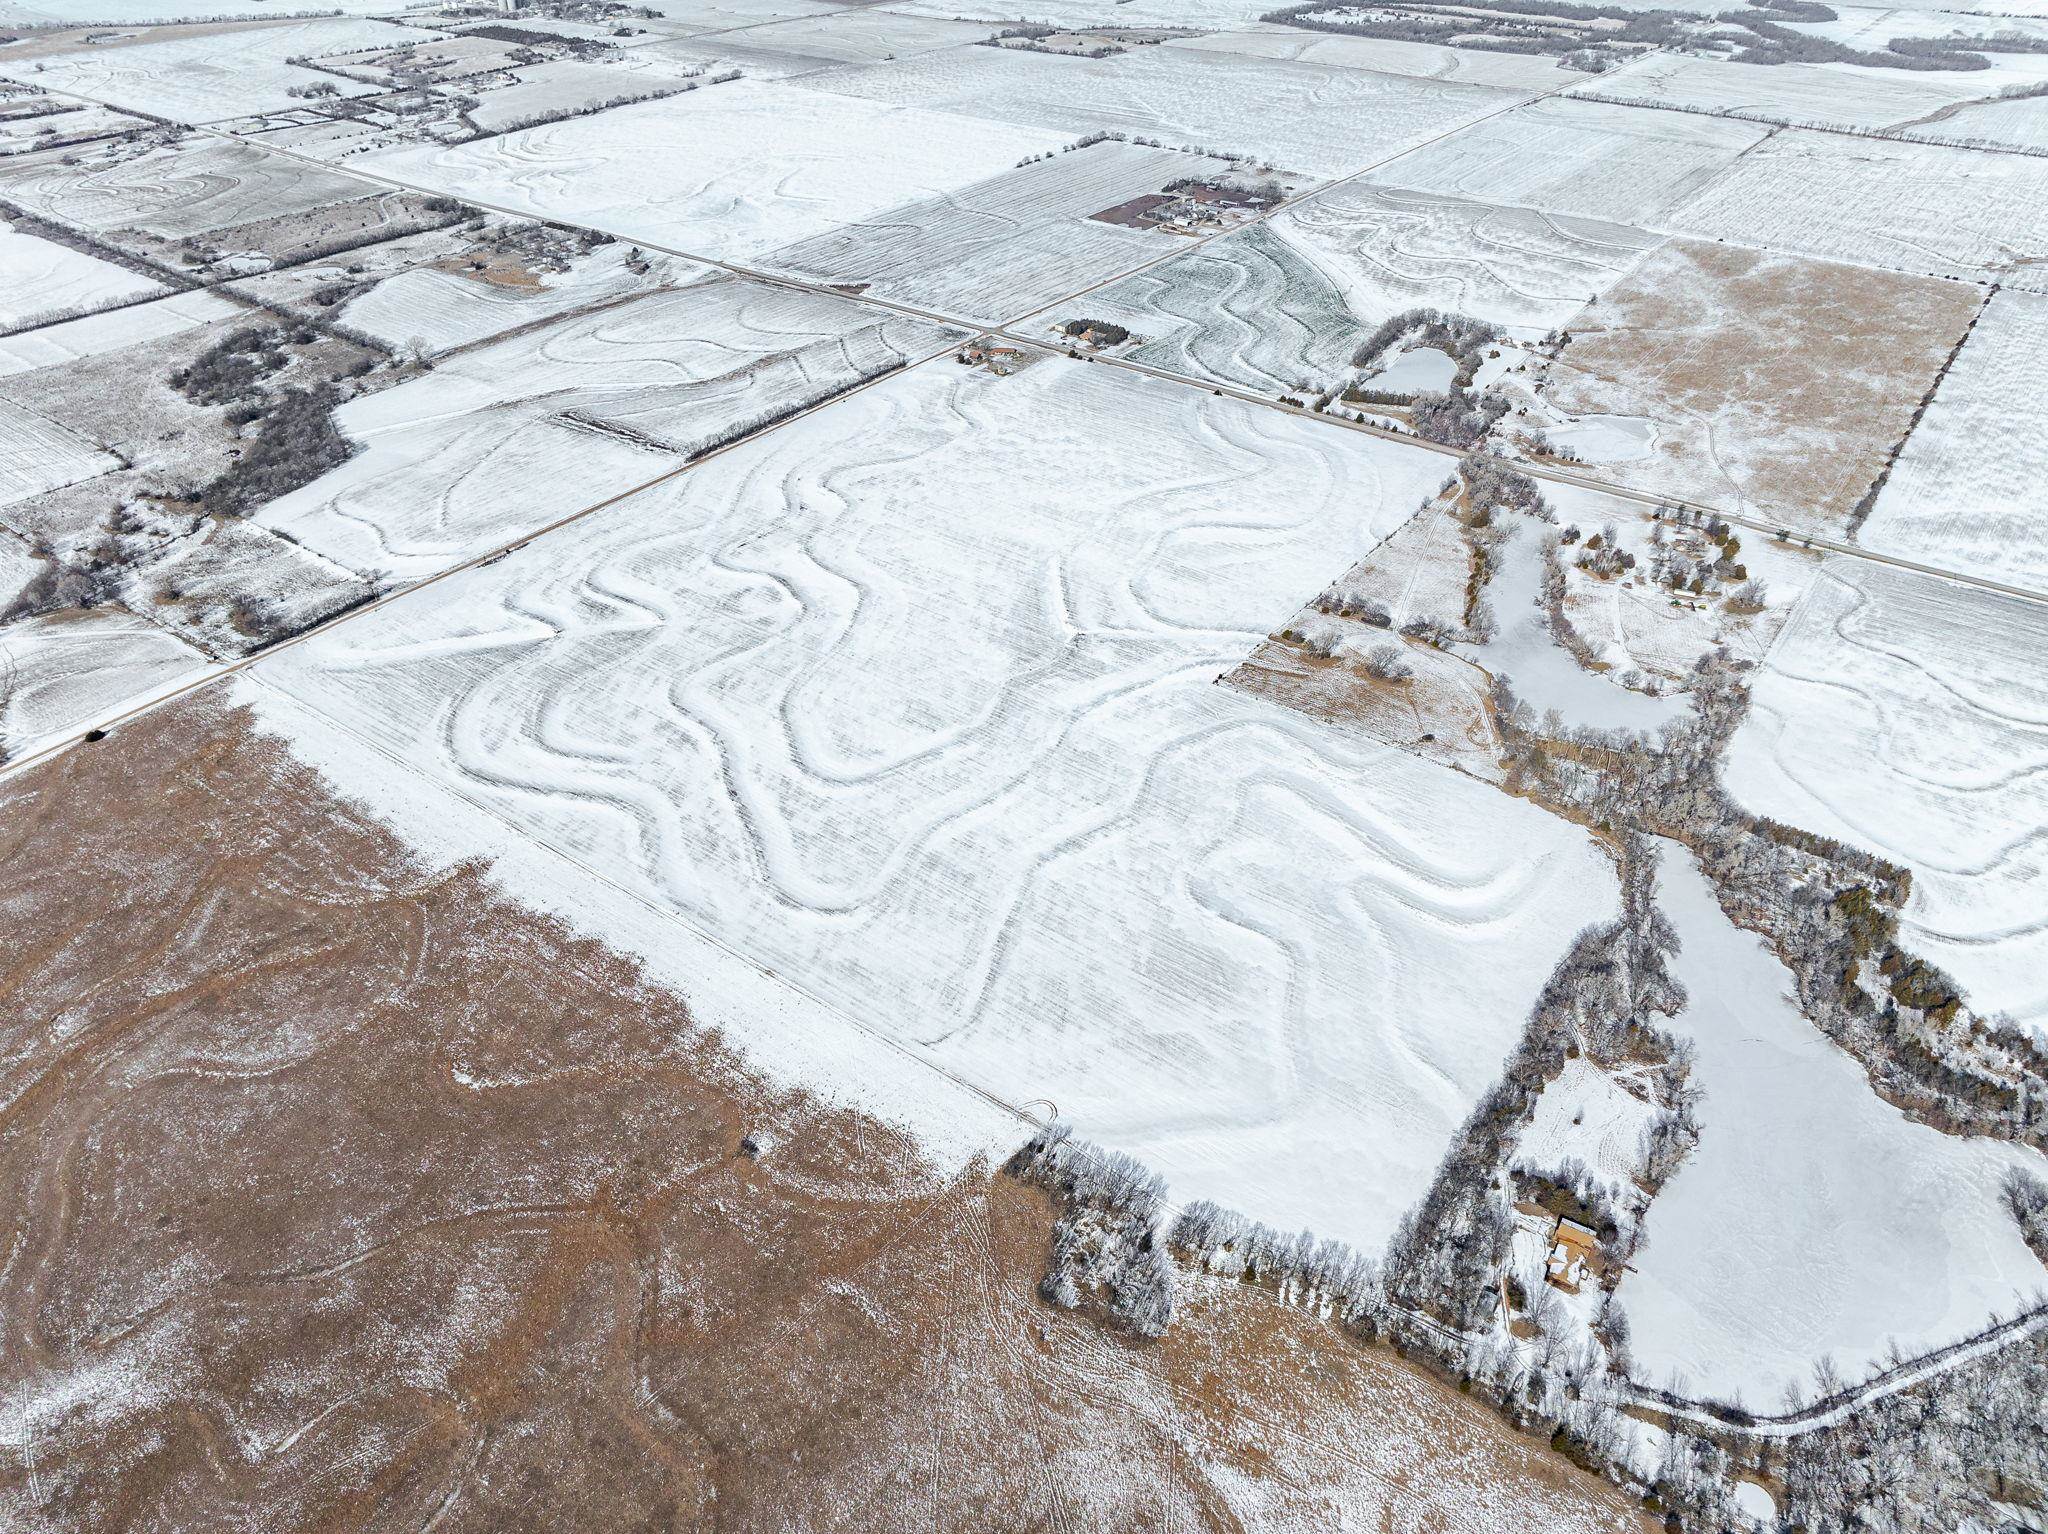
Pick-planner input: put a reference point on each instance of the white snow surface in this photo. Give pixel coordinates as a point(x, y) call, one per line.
point(1970, 491)
point(1922, 208)
point(505, 439)
point(792, 1038)
point(1387, 249)
point(1813, 1219)
point(1299, 117)
point(1909, 715)
point(724, 171)
point(911, 702)
point(209, 74)
point(73, 671)
point(39, 278)
point(96, 334)
point(1587, 1116)
point(38, 454)
point(1624, 165)
point(440, 310)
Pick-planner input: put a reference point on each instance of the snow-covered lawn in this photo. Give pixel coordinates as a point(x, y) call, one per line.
point(39, 278)
point(1970, 490)
point(1813, 1219)
point(911, 702)
point(1623, 164)
point(1909, 715)
point(1587, 1116)
point(507, 438)
point(727, 170)
point(1913, 207)
point(1300, 117)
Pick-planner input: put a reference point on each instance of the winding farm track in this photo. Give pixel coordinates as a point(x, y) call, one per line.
point(1010, 331)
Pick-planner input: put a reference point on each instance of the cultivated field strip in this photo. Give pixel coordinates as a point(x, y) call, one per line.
point(1247, 310)
point(1006, 246)
point(466, 458)
point(1920, 208)
point(729, 171)
point(1391, 249)
point(200, 184)
point(1622, 165)
point(1298, 117)
point(1970, 487)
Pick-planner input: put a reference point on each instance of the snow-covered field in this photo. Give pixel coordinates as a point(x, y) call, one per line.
point(1970, 490)
point(172, 190)
point(1300, 117)
point(1926, 104)
point(1909, 715)
point(1388, 249)
point(1626, 165)
point(725, 171)
point(1682, 344)
point(567, 85)
point(1528, 72)
point(1283, 305)
point(69, 123)
point(40, 278)
point(1813, 1219)
point(509, 437)
point(437, 310)
point(210, 73)
point(73, 671)
point(1006, 246)
point(38, 454)
point(94, 335)
point(1918, 208)
point(856, 35)
point(1247, 309)
point(911, 702)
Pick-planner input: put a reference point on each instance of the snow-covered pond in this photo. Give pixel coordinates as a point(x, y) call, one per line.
point(1420, 370)
point(1543, 673)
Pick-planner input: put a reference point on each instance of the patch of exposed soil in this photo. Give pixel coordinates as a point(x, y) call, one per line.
point(340, 1193)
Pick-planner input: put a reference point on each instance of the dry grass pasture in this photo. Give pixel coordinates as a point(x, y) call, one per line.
point(341, 1193)
point(1775, 384)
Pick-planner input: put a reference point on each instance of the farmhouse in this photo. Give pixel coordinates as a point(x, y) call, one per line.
point(1573, 1250)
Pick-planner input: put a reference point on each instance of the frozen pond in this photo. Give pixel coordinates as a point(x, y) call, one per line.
point(1422, 370)
point(1543, 673)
